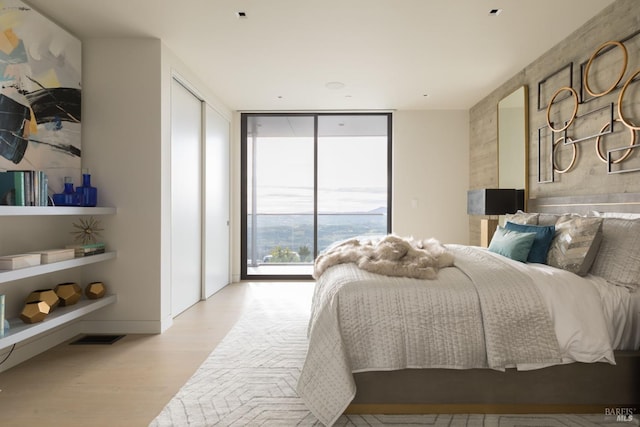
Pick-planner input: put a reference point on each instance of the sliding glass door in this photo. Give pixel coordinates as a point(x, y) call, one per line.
point(309, 180)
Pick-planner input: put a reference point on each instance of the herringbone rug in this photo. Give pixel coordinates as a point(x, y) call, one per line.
point(250, 379)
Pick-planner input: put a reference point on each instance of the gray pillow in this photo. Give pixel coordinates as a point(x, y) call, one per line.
point(548, 219)
point(575, 244)
point(521, 217)
point(618, 259)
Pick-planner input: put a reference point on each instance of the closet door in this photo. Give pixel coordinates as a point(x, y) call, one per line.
point(216, 224)
point(186, 196)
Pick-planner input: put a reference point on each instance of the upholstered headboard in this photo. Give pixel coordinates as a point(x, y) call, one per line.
point(616, 202)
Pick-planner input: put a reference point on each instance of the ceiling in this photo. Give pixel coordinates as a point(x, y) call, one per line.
point(388, 54)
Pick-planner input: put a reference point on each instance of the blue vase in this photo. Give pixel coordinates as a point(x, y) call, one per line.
point(88, 195)
point(68, 197)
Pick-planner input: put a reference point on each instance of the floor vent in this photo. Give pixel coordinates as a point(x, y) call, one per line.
point(97, 339)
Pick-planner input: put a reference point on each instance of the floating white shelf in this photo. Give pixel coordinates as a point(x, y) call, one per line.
point(22, 273)
point(54, 210)
point(20, 331)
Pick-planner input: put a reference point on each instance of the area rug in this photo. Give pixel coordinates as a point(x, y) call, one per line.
point(250, 379)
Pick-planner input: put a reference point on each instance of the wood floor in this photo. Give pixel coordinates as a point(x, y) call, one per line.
point(126, 383)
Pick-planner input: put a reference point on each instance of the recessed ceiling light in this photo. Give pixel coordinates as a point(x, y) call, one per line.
point(334, 85)
point(495, 12)
point(241, 15)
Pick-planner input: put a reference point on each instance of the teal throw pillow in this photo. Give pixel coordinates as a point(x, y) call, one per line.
point(542, 242)
point(512, 244)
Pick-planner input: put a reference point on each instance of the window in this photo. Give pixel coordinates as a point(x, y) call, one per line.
point(309, 180)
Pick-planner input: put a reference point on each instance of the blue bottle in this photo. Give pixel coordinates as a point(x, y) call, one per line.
point(68, 197)
point(87, 194)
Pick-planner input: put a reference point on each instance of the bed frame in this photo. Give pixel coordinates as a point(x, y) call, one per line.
point(573, 388)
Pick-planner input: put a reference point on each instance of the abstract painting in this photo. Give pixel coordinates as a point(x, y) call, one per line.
point(40, 95)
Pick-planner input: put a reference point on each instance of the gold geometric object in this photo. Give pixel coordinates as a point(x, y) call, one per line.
point(34, 312)
point(624, 89)
point(69, 293)
point(627, 152)
point(575, 108)
point(595, 54)
point(95, 290)
point(47, 295)
point(573, 159)
point(88, 230)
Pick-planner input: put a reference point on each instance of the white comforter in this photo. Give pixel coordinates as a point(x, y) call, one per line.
point(366, 322)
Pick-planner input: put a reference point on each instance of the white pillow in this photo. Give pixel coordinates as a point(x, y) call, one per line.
point(618, 260)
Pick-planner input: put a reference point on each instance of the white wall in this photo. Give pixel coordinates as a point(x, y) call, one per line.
point(431, 174)
point(121, 137)
point(126, 144)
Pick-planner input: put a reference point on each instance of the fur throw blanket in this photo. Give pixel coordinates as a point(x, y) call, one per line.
point(391, 256)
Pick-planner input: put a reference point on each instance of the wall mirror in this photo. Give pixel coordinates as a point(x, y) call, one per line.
point(513, 146)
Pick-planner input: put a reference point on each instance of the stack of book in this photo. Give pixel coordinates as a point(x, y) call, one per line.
point(24, 188)
point(88, 249)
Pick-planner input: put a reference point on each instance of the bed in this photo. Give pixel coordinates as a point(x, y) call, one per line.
point(490, 333)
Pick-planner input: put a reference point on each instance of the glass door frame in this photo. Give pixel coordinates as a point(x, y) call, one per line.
point(244, 182)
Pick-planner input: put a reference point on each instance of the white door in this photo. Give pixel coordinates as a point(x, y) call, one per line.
point(216, 245)
point(186, 196)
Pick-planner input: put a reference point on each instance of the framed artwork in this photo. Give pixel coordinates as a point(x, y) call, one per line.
point(40, 95)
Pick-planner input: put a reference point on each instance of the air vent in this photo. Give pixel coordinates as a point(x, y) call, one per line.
point(495, 12)
point(241, 15)
point(97, 339)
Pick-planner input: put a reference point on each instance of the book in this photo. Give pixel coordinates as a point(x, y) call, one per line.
point(13, 262)
point(1, 315)
point(12, 188)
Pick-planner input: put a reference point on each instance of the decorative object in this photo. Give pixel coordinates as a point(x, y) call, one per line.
point(608, 109)
point(34, 312)
point(68, 197)
point(95, 290)
point(604, 45)
point(55, 255)
point(569, 75)
point(46, 295)
point(13, 262)
point(87, 195)
point(629, 149)
point(69, 293)
point(621, 98)
point(545, 151)
point(40, 97)
point(576, 102)
point(613, 69)
point(574, 156)
point(88, 230)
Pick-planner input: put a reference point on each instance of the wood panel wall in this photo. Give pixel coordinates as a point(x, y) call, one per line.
point(589, 175)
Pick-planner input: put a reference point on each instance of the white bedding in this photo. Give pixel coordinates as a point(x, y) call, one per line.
point(587, 320)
